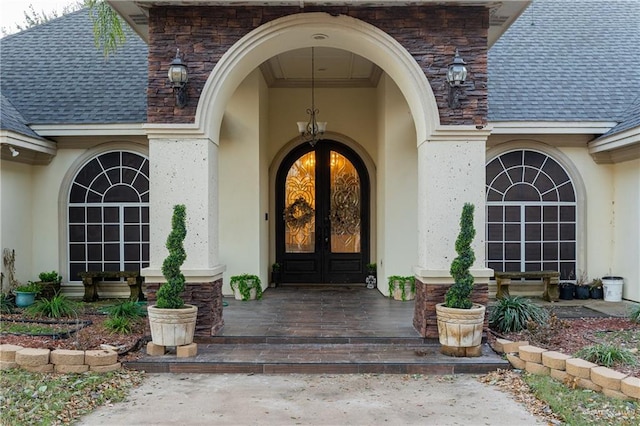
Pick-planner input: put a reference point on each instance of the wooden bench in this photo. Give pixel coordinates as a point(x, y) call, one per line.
point(550, 279)
point(90, 280)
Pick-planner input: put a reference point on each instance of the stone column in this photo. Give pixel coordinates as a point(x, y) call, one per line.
point(184, 170)
point(451, 172)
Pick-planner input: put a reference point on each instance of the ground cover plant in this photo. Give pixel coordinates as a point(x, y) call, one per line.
point(55, 399)
point(559, 403)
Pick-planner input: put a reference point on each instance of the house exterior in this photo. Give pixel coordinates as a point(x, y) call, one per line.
point(545, 142)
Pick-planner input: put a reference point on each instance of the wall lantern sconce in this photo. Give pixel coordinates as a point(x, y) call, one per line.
point(178, 77)
point(456, 76)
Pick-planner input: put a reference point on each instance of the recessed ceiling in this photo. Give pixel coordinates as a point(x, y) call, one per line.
point(333, 68)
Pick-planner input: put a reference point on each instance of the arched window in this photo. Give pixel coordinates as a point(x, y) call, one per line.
point(531, 214)
point(108, 214)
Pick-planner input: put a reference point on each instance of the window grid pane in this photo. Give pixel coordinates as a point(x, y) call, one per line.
point(109, 232)
point(525, 233)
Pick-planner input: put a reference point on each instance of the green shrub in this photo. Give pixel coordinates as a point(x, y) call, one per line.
point(168, 295)
point(57, 307)
point(30, 287)
point(635, 314)
point(7, 303)
point(607, 355)
point(513, 313)
point(127, 309)
point(459, 294)
point(48, 277)
point(120, 325)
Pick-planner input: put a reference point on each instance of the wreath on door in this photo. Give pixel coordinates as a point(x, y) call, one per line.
point(299, 213)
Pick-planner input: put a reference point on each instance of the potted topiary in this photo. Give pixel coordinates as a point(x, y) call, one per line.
point(172, 321)
point(26, 294)
point(50, 284)
point(246, 287)
point(460, 321)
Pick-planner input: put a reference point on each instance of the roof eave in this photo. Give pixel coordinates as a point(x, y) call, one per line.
point(502, 15)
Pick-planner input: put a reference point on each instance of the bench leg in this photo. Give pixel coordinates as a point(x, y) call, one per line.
point(135, 289)
point(90, 290)
point(502, 287)
point(551, 290)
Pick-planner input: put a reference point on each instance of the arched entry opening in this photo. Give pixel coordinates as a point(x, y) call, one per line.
point(323, 233)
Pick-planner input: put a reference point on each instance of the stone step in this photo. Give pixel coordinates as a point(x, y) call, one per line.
point(320, 358)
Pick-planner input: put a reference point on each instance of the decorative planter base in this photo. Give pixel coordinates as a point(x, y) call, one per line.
point(460, 330)
point(172, 327)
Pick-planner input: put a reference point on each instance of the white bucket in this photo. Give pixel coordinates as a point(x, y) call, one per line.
point(612, 288)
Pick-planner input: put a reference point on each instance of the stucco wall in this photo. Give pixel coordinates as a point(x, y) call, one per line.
point(626, 232)
point(398, 186)
point(15, 219)
point(241, 172)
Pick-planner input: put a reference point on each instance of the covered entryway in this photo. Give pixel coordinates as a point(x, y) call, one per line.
point(322, 233)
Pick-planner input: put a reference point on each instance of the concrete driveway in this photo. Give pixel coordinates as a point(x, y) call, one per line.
point(359, 399)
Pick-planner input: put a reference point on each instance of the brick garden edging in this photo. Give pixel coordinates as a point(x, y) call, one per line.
point(58, 360)
point(570, 370)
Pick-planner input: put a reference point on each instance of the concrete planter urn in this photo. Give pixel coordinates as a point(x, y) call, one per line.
point(172, 327)
point(460, 330)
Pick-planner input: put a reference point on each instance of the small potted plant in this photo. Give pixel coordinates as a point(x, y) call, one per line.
point(173, 322)
point(275, 274)
point(26, 294)
point(582, 288)
point(371, 279)
point(460, 321)
point(402, 288)
point(246, 287)
point(595, 289)
point(50, 284)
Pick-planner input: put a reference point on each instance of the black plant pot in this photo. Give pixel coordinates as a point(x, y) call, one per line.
point(582, 292)
point(566, 291)
point(597, 293)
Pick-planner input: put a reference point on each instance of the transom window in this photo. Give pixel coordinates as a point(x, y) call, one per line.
point(108, 214)
point(531, 214)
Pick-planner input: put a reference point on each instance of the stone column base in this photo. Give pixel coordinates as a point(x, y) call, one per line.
point(207, 297)
point(429, 295)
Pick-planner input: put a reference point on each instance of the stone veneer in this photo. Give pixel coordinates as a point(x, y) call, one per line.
point(429, 295)
point(207, 297)
point(429, 33)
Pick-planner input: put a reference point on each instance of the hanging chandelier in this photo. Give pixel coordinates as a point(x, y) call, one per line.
point(312, 130)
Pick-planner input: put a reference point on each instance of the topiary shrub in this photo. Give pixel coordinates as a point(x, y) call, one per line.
point(459, 295)
point(513, 313)
point(168, 295)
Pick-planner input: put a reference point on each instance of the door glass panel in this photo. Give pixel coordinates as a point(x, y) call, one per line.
point(300, 203)
point(345, 205)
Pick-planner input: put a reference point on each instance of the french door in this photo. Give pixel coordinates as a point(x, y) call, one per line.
point(322, 213)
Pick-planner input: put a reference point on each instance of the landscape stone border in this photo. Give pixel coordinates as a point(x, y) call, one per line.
point(569, 370)
point(58, 360)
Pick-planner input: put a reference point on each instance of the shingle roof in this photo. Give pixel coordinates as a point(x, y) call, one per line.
point(567, 61)
point(631, 119)
point(53, 73)
point(11, 119)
